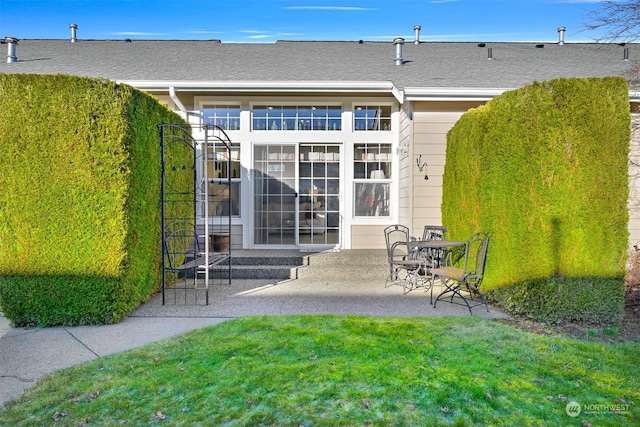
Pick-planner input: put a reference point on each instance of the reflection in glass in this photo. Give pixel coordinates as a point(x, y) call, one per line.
point(371, 199)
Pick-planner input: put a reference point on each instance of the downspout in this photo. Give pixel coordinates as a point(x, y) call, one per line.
point(176, 100)
point(410, 179)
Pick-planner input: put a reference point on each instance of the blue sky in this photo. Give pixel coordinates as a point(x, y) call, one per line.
point(265, 21)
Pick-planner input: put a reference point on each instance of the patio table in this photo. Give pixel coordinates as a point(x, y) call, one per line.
point(433, 253)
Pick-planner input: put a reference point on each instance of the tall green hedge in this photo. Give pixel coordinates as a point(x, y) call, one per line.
point(80, 239)
point(544, 170)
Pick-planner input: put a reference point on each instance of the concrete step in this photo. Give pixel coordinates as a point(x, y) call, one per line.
point(347, 266)
point(255, 272)
point(261, 265)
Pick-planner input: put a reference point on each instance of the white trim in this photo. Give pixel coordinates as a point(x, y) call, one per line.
point(418, 93)
point(452, 94)
point(267, 86)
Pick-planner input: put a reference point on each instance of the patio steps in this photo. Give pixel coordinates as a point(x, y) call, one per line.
point(261, 265)
point(278, 265)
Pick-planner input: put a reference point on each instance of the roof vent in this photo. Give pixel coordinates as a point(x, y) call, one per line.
point(539, 46)
point(490, 54)
point(416, 30)
point(561, 31)
point(481, 44)
point(12, 42)
point(625, 55)
point(399, 41)
point(360, 41)
point(73, 27)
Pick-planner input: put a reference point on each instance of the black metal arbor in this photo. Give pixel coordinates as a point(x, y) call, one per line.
point(196, 213)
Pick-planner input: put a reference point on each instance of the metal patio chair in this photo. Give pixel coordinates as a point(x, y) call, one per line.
point(434, 232)
point(405, 264)
point(461, 285)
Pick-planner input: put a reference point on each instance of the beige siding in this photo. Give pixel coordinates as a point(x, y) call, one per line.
point(431, 122)
point(367, 237)
point(634, 178)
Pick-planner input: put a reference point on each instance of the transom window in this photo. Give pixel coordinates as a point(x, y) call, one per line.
point(308, 118)
point(367, 117)
point(226, 117)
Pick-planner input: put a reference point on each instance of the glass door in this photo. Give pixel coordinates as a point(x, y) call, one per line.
point(296, 195)
point(275, 194)
point(319, 190)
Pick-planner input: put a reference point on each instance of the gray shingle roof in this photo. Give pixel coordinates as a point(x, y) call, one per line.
point(427, 65)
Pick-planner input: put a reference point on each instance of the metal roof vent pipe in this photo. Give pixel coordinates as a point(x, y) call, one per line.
point(490, 54)
point(561, 31)
point(11, 42)
point(73, 27)
point(398, 42)
point(416, 30)
point(625, 55)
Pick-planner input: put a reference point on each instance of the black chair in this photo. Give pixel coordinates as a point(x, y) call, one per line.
point(462, 283)
point(405, 264)
point(434, 232)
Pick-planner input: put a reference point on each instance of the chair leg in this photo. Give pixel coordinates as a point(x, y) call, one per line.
point(481, 297)
point(454, 290)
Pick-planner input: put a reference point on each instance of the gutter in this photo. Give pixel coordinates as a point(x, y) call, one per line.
point(452, 94)
point(384, 87)
point(470, 94)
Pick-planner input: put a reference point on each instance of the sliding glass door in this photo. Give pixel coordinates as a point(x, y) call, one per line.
point(296, 195)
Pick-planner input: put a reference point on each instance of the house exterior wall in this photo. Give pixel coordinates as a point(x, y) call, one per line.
point(372, 236)
point(358, 232)
point(431, 122)
point(422, 129)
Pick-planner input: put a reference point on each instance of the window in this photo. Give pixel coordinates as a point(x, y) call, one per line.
point(273, 118)
point(372, 179)
point(226, 117)
point(224, 197)
point(372, 118)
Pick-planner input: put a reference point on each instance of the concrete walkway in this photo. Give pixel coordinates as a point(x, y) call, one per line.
point(26, 355)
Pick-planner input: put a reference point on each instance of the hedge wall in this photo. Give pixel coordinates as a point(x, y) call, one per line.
point(80, 238)
point(544, 170)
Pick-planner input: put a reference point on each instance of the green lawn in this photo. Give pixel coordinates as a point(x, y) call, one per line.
point(334, 371)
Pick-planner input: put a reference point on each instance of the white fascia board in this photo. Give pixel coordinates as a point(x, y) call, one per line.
point(451, 93)
point(266, 86)
point(469, 94)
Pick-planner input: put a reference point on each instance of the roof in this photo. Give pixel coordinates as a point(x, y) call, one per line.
point(429, 68)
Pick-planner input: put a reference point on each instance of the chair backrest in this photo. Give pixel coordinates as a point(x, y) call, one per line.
point(434, 232)
point(475, 256)
point(397, 239)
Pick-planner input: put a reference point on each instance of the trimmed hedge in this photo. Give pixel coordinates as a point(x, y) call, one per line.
point(80, 204)
point(544, 169)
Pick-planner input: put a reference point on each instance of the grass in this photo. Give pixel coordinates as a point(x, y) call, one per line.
point(334, 371)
